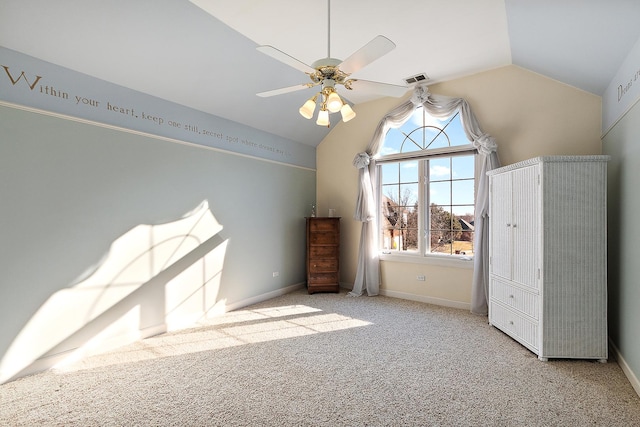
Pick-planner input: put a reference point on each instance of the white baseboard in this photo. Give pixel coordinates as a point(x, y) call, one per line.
point(263, 297)
point(58, 359)
point(426, 299)
point(625, 368)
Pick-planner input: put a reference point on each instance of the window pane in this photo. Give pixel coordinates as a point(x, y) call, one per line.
point(462, 192)
point(415, 121)
point(440, 193)
point(390, 173)
point(413, 233)
point(392, 213)
point(464, 245)
point(463, 167)
point(464, 211)
point(409, 171)
point(439, 169)
point(391, 192)
point(440, 217)
point(408, 195)
point(400, 230)
point(392, 142)
point(435, 138)
point(441, 242)
point(456, 132)
point(387, 239)
point(413, 142)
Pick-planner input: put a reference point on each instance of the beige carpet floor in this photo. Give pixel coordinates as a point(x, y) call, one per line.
point(326, 360)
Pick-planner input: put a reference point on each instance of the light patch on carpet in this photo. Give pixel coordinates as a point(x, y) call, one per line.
point(231, 330)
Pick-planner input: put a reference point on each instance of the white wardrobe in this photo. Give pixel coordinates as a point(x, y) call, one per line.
point(547, 248)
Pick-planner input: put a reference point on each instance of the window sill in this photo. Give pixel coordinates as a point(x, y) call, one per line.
point(439, 260)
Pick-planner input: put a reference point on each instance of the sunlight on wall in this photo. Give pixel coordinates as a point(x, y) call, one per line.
point(186, 299)
point(119, 332)
point(154, 278)
point(233, 329)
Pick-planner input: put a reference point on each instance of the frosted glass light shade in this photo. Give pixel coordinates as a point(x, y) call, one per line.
point(307, 109)
point(334, 103)
point(347, 113)
point(323, 118)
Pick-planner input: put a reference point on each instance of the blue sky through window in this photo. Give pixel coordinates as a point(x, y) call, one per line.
point(421, 132)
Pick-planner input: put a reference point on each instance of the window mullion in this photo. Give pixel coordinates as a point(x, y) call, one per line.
point(451, 205)
point(425, 220)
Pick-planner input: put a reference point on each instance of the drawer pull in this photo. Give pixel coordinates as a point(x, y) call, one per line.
point(511, 322)
point(511, 296)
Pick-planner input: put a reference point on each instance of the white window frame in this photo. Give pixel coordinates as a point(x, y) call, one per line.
point(421, 256)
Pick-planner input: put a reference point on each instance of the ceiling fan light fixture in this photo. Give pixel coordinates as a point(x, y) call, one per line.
point(347, 113)
point(308, 108)
point(334, 103)
point(323, 118)
point(329, 72)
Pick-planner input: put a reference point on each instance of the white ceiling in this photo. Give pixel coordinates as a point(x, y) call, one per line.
point(175, 50)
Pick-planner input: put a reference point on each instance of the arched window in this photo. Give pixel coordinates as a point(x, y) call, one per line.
point(426, 187)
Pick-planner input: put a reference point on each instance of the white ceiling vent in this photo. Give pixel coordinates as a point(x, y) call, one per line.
point(418, 78)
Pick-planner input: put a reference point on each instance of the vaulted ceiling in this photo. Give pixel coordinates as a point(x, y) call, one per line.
point(177, 51)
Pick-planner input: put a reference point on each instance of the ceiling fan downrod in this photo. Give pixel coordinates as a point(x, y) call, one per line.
point(328, 28)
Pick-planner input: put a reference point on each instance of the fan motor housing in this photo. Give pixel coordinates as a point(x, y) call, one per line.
point(327, 69)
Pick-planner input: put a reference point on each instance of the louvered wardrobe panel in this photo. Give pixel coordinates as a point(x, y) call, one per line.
point(575, 258)
point(558, 207)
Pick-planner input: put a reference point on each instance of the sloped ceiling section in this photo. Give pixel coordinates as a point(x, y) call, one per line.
point(175, 50)
point(578, 42)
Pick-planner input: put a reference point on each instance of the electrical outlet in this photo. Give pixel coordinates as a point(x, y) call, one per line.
point(421, 278)
point(276, 273)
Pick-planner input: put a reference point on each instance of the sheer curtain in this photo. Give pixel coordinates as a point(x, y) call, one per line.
point(368, 273)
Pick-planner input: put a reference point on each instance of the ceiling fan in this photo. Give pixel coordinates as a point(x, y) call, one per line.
point(329, 72)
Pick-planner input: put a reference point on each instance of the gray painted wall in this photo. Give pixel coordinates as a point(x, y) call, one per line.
point(69, 189)
point(622, 143)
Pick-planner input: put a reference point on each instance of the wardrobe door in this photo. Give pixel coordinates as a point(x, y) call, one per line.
point(500, 220)
point(525, 226)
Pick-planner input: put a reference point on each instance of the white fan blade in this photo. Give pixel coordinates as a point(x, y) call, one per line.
point(385, 89)
point(283, 90)
point(285, 59)
point(368, 53)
